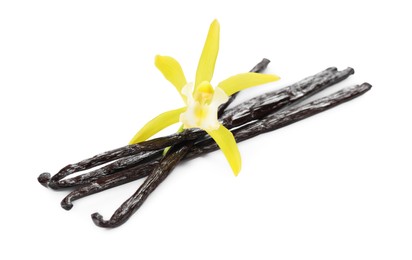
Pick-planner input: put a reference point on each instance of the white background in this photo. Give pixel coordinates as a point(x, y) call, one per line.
point(77, 78)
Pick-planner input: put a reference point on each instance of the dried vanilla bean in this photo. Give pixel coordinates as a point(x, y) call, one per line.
point(268, 123)
point(260, 106)
point(112, 168)
point(109, 181)
point(125, 151)
point(245, 112)
point(131, 205)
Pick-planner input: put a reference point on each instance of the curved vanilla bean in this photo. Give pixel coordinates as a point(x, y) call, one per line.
point(161, 171)
point(107, 182)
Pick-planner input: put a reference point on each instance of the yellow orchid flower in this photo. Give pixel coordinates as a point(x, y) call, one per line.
point(201, 99)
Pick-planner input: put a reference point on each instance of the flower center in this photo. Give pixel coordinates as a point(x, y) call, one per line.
point(204, 93)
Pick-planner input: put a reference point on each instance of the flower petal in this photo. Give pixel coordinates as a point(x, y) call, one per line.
point(207, 60)
point(157, 124)
point(172, 71)
point(245, 80)
point(227, 143)
point(219, 97)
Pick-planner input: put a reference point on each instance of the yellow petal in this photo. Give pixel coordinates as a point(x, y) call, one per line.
point(227, 143)
point(157, 124)
point(244, 81)
point(207, 60)
point(172, 71)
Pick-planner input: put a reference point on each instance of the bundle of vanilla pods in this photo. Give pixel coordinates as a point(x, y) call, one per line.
point(258, 115)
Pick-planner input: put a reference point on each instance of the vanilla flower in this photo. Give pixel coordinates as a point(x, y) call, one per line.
point(201, 99)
